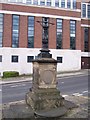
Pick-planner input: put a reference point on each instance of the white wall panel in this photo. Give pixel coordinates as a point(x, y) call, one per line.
point(71, 59)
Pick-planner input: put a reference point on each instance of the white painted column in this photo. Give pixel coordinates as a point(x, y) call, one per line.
point(59, 3)
point(53, 3)
point(45, 2)
point(65, 3)
point(38, 2)
point(71, 4)
point(32, 2)
point(24, 1)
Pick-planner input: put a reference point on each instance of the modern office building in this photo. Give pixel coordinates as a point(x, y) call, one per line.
point(21, 33)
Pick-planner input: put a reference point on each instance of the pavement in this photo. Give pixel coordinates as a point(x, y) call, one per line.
point(21, 110)
point(29, 78)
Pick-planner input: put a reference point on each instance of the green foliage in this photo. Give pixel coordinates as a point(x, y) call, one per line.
point(8, 74)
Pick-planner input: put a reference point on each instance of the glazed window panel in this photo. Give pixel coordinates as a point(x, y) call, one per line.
point(86, 39)
point(12, 0)
point(30, 21)
point(68, 3)
point(35, 2)
point(14, 58)
point(72, 34)
point(72, 42)
point(56, 3)
point(59, 34)
point(0, 58)
point(59, 59)
point(72, 27)
point(42, 2)
point(19, 1)
point(15, 31)
point(59, 24)
point(74, 4)
point(1, 29)
point(30, 58)
point(28, 1)
point(88, 11)
point(30, 32)
point(63, 3)
point(83, 10)
point(48, 2)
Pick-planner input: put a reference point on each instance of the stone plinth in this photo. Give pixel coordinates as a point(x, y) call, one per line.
point(44, 95)
point(44, 73)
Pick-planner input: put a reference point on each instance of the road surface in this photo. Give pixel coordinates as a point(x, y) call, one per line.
point(72, 85)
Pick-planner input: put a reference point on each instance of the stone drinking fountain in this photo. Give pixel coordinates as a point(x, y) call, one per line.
point(44, 97)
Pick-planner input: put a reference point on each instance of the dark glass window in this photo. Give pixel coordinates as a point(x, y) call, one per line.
point(48, 2)
point(68, 4)
point(59, 59)
point(88, 11)
point(12, 0)
point(35, 2)
point(42, 2)
point(30, 58)
point(83, 10)
point(72, 34)
point(28, 1)
point(86, 39)
point(63, 3)
point(15, 31)
point(57, 3)
point(59, 34)
point(1, 29)
point(30, 32)
point(74, 4)
point(19, 1)
point(15, 58)
point(72, 27)
point(0, 58)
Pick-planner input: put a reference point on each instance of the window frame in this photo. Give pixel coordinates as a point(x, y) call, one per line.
point(73, 34)
point(30, 60)
point(31, 31)
point(1, 27)
point(86, 41)
point(59, 60)
point(12, 59)
point(15, 32)
point(59, 30)
point(0, 58)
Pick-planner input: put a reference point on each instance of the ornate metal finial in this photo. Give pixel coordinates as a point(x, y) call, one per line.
point(45, 26)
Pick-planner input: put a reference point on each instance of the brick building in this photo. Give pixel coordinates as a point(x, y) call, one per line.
point(21, 34)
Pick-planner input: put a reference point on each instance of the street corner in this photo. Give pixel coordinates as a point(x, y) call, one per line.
point(19, 109)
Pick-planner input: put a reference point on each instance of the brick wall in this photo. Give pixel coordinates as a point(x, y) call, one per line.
point(66, 34)
point(41, 10)
point(23, 32)
point(52, 34)
point(38, 28)
point(78, 5)
point(7, 33)
point(84, 21)
point(38, 33)
point(78, 35)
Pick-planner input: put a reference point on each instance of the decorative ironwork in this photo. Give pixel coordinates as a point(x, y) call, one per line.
point(45, 26)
